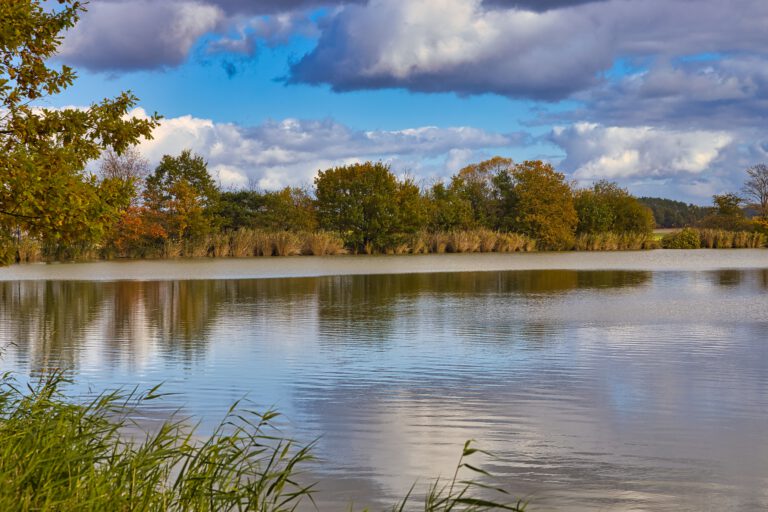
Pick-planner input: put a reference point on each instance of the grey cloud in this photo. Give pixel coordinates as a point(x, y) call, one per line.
point(259, 7)
point(475, 48)
point(537, 5)
point(125, 35)
point(466, 51)
point(731, 92)
point(138, 35)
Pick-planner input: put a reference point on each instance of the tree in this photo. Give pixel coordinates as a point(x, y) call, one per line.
point(607, 207)
point(413, 209)
point(289, 209)
point(360, 202)
point(44, 189)
point(674, 214)
point(129, 167)
point(448, 210)
point(756, 188)
point(540, 204)
point(475, 183)
point(727, 214)
point(183, 196)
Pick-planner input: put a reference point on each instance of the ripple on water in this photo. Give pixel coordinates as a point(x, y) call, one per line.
point(621, 390)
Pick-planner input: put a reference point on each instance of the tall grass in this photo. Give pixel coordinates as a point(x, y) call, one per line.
point(720, 239)
point(615, 242)
point(692, 238)
point(286, 244)
point(29, 250)
point(323, 243)
point(57, 455)
point(460, 494)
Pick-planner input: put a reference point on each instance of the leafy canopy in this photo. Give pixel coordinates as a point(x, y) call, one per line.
point(44, 189)
point(366, 204)
point(183, 196)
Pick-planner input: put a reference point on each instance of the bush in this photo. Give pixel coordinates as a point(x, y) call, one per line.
point(687, 238)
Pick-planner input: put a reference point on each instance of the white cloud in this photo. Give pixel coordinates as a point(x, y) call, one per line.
point(650, 161)
point(596, 152)
point(290, 152)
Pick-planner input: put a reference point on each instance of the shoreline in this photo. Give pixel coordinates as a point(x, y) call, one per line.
point(343, 265)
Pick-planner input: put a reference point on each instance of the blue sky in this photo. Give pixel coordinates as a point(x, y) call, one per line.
point(667, 97)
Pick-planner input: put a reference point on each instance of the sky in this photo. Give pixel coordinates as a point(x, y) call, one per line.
point(667, 98)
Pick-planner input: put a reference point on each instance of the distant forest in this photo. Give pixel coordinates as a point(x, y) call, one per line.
point(669, 213)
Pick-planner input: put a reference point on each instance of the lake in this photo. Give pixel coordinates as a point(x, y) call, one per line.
point(600, 381)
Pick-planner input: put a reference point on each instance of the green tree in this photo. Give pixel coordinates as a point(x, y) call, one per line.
point(607, 207)
point(448, 210)
point(289, 209)
point(241, 208)
point(413, 208)
point(475, 183)
point(44, 189)
point(674, 214)
point(183, 196)
point(539, 203)
point(360, 201)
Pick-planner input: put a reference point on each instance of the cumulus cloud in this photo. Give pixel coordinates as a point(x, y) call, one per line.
point(513, 48)
point(596, 152)
point(649, 160)
point(290, 152)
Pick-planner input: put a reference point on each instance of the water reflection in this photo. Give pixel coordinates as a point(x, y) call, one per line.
point(49, 320)
point(614, 389)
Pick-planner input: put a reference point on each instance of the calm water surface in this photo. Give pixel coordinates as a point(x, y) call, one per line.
point(642, 387)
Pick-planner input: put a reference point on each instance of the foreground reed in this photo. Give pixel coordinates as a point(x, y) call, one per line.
point(56, 455)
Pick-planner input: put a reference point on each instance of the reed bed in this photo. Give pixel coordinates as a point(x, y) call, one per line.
point(420, 243)
point(472, 241)
point(246, 243)
point(720, 239)
point(616, 242)
point(463, 241)
point(692, 238)
point(196, 248)
point(59, 455)
point(515, 242)
point(286, 244)
point(323, 243)
point(438, 243)
point(29, 250)
point(220, 245)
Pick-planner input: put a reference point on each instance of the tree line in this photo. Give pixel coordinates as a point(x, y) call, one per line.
point(177, 209)
point(51, 207)
point(365, 204)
